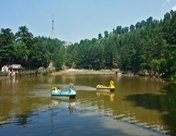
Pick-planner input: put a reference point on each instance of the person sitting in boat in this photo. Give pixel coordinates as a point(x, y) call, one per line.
point(99, 86)
point(71, 85)
point(56, 89)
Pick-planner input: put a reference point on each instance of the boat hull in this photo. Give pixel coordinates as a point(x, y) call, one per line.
point(63, 96)
point(105, 89)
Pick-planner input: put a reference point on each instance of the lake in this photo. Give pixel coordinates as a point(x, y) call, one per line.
point(138, 106)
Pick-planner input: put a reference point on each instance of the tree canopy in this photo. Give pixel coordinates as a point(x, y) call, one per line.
point(147, 48)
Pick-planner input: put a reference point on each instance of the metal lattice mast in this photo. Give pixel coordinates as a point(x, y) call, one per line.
point(52, 29)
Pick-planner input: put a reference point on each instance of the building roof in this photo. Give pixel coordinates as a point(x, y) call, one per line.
point(15, 66)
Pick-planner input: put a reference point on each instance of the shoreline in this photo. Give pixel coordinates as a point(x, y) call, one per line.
point(115, 72)
point(4, 77)
point(71, 72)
point(78, 72)
point(85, 72)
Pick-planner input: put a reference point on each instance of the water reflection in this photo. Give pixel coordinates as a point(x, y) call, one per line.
point(72, 105)
point(22, 119)
point(111, 95)
point(64, 103)
point(164, 103)
point(135, 100)
point(57, 121)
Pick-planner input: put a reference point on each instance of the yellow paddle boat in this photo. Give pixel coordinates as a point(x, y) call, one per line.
point(103, 88)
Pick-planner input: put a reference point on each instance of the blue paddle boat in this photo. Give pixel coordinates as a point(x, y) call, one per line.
point(70, 93)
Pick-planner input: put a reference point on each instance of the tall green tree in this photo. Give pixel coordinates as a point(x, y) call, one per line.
point(6, 50)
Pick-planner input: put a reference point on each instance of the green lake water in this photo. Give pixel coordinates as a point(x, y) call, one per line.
point(138, 106)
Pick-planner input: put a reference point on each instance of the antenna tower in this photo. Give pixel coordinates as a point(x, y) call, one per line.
point(52, 29)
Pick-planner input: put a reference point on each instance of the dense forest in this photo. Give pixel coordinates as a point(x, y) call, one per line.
point(29, 51)
point(146, 48)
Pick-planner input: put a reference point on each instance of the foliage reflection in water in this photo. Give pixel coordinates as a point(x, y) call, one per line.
point(164, 103)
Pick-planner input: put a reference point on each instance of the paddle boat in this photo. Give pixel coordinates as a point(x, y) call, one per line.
point(109, 88)
point(70, 93)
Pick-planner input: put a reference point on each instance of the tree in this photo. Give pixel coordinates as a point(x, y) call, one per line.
point(100, 36)
point(24, 35)
point(106, 34)
point(125, 30)
point(6, 49)
point(149, 21)
point(119, 30)
point(138, 25)
point(143, 23)
point(6, 37)
point(132, 28)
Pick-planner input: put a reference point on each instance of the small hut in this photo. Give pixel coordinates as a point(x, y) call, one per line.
point(15, 68)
